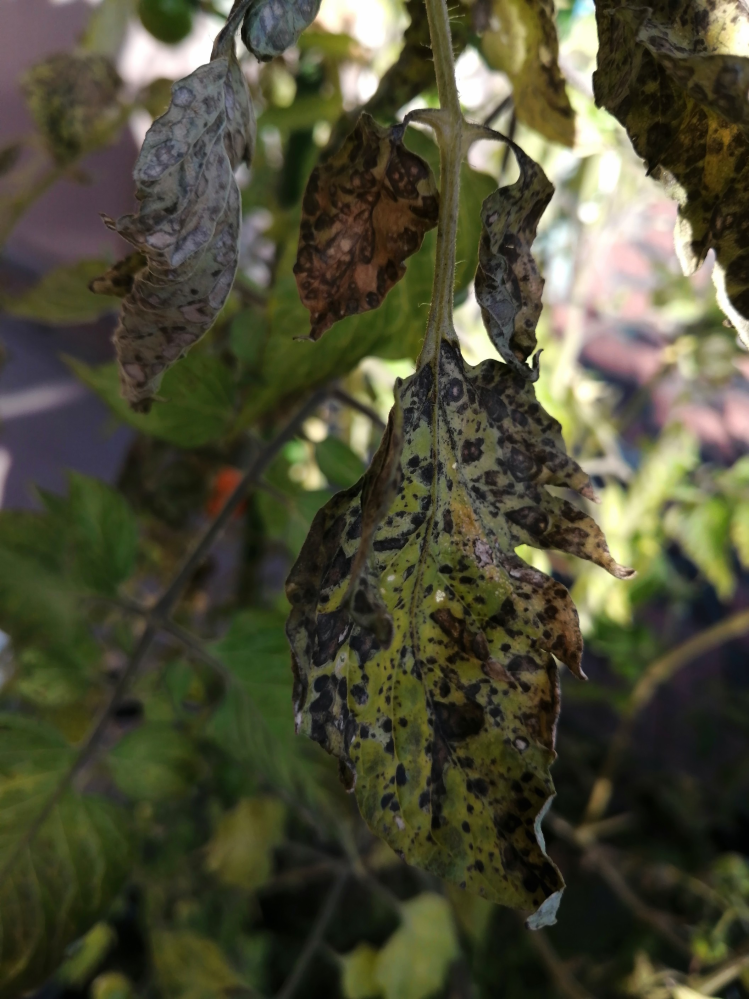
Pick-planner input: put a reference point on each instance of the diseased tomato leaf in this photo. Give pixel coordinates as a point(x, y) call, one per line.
point(521, 39)
point(364, 212)
point(118, 280)
point(508, 284)
point(272, 26)
point(74, 98)
point(188, 223)
point(447, 734)
point(676, 76)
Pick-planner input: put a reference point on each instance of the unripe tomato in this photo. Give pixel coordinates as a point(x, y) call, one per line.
point(168, 20)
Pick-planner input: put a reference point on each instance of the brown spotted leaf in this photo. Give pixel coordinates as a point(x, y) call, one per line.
point(508, 284)
point(676, 75)
point(365, 211)
point(187, 226)
point(521, 39)
point(446, 731)
point(118, 280)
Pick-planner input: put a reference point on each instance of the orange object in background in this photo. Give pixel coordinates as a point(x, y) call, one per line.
point(226, 481)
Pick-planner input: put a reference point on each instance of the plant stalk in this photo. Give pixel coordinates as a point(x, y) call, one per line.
point(448, 125)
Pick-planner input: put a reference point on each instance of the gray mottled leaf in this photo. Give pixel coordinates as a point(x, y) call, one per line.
point(188, 223)
point(508, 284)
point(272, 26)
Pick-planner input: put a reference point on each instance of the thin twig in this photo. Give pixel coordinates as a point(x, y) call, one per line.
point(504, 105)
point(353, 403)
point(717, 979)
point(657, 673)
point(597, 859)
point(157, 619)
point(315, 938)
point(566, 983)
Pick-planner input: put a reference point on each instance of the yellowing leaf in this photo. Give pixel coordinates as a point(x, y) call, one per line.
point(358, 970)
point(188, 222)
point(676, 76)
point(522, 41)
point(111, 985)
point(508, 284)
point(74, 99)
point(414, 962)
point(62, 297)
point(448, 734)
point(190, 966)
point(365, 211)
point(241, 850)
point(272, 26)
point(59, 885)
point(740, 533)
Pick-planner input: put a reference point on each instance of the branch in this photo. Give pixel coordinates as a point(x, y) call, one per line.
point(315, 938)
point(657, 673)
point(158, 619)
point(567, 985)
point(449, 125)
point(353, 403)
point(597, 860)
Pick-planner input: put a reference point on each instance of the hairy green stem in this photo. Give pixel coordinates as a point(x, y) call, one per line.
point(448, 125)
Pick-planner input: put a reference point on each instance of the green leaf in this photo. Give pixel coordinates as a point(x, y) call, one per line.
point(96, 525)
point(338, 463)
point(85, 956)
point(704, 534)
point(198, 400)
point(247, 335)
point(63, 879)
point(240, 851)
point(358, 973)
point(522, 42)
point(190, 966)
point(82, 543)
point(289, 521)
point(62, 296)
point(153, 763)
point(111, 985)
point(415, 960)
point(740, 533)
point(676, 76)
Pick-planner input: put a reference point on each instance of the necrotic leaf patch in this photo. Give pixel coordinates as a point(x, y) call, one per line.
point(365, 211)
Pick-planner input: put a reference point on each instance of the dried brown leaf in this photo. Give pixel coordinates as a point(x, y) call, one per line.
point(676, 76)
point(118, 280)
point(364, 212)
point(508, 283)
point(188, 223)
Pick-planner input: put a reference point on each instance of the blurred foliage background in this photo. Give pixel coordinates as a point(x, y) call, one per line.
point(195, 848)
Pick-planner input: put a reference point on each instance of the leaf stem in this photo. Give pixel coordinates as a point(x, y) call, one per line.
point(448, 124)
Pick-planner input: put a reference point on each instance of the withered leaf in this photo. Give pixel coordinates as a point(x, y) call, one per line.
point(508, 284)
point(188, 223)
point(447, 734)
point(74, 99)
point(118, 280)
point(272, 26)
point(364, 212)
point(521, 39)
point(676, 75)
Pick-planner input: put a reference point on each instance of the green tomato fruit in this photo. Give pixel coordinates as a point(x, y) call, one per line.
point(168, 20)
